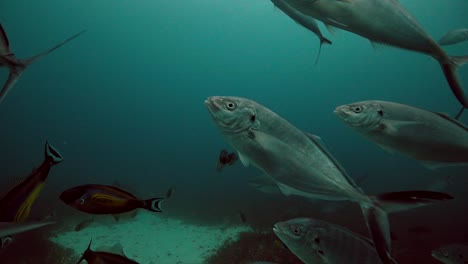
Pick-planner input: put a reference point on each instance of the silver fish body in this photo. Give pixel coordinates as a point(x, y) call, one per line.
point(315, 241)
point(432, 138)
point(385, 22)
point(300, 164)
point(454, 36)
point(452, 254)
point(307, 22)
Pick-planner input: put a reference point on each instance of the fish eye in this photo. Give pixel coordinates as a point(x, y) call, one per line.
point(445, 253)
point(296, 230)
point(252, 118)
point(5, 242)
point(231, 106)
point(357, 109)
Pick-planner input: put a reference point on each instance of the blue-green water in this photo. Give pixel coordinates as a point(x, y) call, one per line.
point(124, 102)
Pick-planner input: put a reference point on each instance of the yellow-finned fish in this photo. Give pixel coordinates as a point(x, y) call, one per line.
point(15, 206)
point(105, 199)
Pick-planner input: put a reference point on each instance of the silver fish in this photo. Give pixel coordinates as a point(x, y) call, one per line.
point(432, 138)
point(301, 165)
point(8, 229)
point(385, 22)
point(17, 66)
point(454, 36)
point(306, 21)
point(315, 241)
point(452, 254)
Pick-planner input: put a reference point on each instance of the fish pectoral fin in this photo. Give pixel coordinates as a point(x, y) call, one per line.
point(336, 22)
point(437, 165)
point(331, 29)
point(285, 189)
point(387, 149)
point(393, 126)
point(244, 160)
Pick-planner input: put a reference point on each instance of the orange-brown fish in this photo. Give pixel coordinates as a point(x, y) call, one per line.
point(100, 257)
point(226, 158)
point(105, 199)
point(15, 206)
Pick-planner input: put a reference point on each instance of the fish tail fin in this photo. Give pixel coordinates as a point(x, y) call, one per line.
point(153, 205)
point(460, 113)
point(51, 154)
point(323, 40)
point(40, 55)
point(450, 67)
point(16, 71)
point(376, 215)
point(84, 254)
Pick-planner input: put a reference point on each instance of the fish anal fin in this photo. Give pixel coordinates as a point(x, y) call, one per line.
point(244, 160)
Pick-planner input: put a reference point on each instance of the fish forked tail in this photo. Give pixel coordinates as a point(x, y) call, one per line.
point(153, 205)
point(85, 253)
point(17, 66)
point(52, 155)
point(323, 40)
point(450, 67)
point(26, 62)
point(376, 215)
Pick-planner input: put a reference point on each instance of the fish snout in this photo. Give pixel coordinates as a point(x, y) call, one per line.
point(342, 111)
point(213, 103)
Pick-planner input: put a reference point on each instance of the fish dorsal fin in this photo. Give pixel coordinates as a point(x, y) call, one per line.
point(244, 160)
point(452, 120)
point(117, 190)
point(318, 142)
point(115, 249)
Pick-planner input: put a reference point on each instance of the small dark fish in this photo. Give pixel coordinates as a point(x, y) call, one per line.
point(100, 257)
point(419, 230)
point(242, 217)
point(17, 66)
point(83, 224)
point(226, 158)
point(105, 199)
point(15, 206)
point(170, 192)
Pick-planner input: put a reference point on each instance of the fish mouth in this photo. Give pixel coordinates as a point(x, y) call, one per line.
point(211, 105)
point(341, 112)
point(277, 229)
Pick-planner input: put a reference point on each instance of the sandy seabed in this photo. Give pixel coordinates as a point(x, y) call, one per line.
point(152, 239)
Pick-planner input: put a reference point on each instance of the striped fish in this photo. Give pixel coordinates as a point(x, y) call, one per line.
point(15, 206)
point(315, 241)
point(105, 199)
